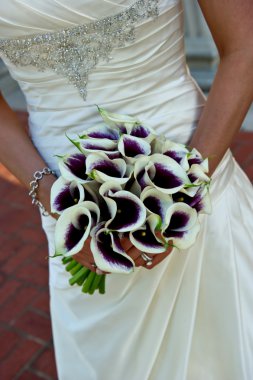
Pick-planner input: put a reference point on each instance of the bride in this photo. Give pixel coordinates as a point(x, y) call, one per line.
point(190, 316)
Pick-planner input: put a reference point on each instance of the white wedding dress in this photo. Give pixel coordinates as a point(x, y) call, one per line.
point(191, 317)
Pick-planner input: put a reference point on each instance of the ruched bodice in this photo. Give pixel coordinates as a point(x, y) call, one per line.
point(151, 66)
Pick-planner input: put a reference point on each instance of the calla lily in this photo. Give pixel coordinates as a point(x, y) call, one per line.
point(145, 238)
point(91, 145)
point(73, 167)
point(156, 202)
point(128, 125)
point(73, 227)
point(195, 158)
point(157, 144)
point(65, 194)
point(161, 172)
point(101, 132)
point(201, 201)
point(126, 210)
point(108, 253)
point(143, 132)
point(118, 120)
point(176, 151)
point(102, 169)
point(197, 175)
point(181, 225)
point(132, 147)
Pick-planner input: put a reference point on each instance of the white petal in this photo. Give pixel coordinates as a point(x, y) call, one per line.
point(66, 225)
point(189, 237)
point(111, 259)
point(61, 185)
point(163, 200)
point(87, 146)
point(97, 161)
point(133, 147)
point(115, 119)
point(185, 209)
point(157, 246)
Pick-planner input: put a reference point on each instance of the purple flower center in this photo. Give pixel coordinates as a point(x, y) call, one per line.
point(140, 131)
point(76, 164)
point(73, 234)
point(107, 167)
point(132, 148)
point(154, 205)
point(128, 213)
point(178, 220)
point(146, 238)
point(165, 178)
point(66, 198)
point(104, 244)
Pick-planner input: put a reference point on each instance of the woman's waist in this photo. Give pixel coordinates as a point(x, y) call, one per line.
point(173, 112)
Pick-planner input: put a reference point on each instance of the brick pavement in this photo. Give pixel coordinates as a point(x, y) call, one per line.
point(26, 350)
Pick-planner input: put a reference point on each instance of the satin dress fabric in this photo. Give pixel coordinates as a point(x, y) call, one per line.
point(189, 318)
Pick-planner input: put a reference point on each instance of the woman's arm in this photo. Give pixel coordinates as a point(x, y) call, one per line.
point(231, 25)
point(19, 155)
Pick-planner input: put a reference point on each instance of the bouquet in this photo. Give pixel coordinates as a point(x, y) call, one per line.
point(126, 181)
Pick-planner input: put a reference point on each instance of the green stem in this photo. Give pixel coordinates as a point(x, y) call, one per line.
point(81, 280)
point(88, 282)
point(66, 260)
point(102, 285)
point(81, 274)
point(95, 283)
point(71, 265)
point(76, 269)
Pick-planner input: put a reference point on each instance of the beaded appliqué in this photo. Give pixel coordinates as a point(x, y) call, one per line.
point(75, 51)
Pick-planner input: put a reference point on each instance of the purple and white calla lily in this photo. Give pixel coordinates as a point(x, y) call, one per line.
point(101, 131)
point(73, 227)
point(176, 151)
point(141, 131)
point(91, 145)
point(128, 125)
point(145, 238)
point(198, 176)
point(156, 202)
point(161, 172)
point(65, 194)
point(195, 158)
point(126, 210)
point(200, 201)
point(108, 252)
point(181, 225)
point(73, 167)
point(115, 120)
point(133, 147)
point(102, 169)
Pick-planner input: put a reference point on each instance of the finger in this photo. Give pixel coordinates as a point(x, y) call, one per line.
point(126, 244)
point(134, 253)
point(156, 259)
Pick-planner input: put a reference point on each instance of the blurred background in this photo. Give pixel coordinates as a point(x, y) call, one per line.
point(26, 350)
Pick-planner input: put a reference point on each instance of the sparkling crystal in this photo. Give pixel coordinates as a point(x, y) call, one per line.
point(75, 51)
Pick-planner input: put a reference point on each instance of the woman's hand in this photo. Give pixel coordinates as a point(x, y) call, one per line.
point(85, 256)
point(136, 255)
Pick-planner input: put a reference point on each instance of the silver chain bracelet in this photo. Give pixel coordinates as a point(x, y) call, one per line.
point(34, 184)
